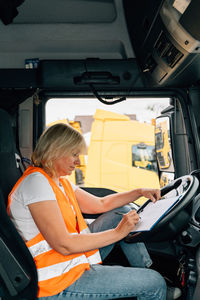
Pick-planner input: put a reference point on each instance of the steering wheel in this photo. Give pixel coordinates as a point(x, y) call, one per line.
point(177, 217)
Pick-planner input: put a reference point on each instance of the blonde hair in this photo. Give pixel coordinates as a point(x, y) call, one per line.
point(55, 142)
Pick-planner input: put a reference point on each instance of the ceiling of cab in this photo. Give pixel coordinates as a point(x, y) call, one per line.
point(66, 11)
point(64, 29)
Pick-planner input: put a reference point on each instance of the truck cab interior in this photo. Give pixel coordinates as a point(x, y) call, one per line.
point(113, 51)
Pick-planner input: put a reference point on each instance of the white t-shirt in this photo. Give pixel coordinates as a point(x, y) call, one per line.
point(34, 188)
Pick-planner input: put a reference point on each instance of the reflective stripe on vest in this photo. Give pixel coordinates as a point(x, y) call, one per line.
point(60, 268)
point(56, 271)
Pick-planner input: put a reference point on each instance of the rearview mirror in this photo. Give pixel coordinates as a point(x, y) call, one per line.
point(163, 145)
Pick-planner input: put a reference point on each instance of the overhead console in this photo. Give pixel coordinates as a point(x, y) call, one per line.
point(166, 38)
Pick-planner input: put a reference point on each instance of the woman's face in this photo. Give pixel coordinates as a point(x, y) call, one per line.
point(65, 165)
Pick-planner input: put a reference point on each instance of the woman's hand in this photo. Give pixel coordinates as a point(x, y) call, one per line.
point(127, 223)
point(152, 194)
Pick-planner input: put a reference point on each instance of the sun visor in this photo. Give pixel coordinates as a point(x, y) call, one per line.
point(79, 75)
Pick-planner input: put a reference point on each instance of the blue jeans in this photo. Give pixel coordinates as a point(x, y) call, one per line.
point(114, 282)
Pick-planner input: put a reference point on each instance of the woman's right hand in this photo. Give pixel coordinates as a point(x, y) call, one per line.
point(127, 223)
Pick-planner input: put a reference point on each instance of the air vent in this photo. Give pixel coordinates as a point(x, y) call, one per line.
point(162, 45)
point(167, 51)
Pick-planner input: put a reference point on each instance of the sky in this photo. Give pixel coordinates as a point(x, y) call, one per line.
point(57, 109)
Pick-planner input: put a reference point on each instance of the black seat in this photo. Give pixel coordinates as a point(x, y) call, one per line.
point(18, 274)
point(9, 173)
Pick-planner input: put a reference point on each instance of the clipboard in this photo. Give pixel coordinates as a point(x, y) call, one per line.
point(151, 213)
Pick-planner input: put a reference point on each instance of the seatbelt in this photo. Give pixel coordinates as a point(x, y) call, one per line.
point(19, 163)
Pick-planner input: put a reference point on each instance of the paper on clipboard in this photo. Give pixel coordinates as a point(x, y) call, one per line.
point(153, 212)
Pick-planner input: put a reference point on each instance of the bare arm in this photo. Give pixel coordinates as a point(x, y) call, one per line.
point(92, 204)
point(50, 223)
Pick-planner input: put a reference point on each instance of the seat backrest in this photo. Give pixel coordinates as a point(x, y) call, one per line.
point(9, 172)
point(18, 274)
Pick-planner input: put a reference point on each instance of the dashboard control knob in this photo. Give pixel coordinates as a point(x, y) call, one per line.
point(186, 237)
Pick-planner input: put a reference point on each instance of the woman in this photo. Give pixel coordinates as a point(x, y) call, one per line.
point(47, 211)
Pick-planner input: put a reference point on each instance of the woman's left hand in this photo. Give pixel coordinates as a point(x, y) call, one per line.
point(152, 194)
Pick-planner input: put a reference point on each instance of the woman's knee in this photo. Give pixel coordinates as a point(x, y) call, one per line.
point(124, 209)
point(116, 218)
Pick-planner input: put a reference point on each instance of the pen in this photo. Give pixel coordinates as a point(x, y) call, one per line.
point(121, 213)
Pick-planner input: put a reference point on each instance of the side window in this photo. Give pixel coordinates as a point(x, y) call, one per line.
point(144, 156)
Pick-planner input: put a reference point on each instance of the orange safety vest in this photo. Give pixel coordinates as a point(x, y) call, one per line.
point(56, 271)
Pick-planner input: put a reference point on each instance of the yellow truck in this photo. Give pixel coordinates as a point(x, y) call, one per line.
point(121, 153)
